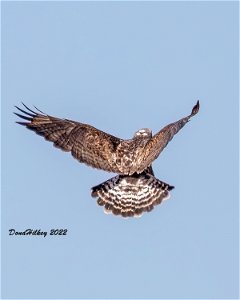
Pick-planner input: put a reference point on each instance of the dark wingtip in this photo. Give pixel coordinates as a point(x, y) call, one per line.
point(27, 114)
point(39, 110)
point(195, 108)
point(22, 123)
point(23, 117)
point(28, 109)
point(33, 114)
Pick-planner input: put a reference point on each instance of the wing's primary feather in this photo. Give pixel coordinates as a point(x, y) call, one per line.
point(86, 143)
point(160, 140)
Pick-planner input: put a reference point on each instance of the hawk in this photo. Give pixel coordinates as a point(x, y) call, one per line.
point(135, 189)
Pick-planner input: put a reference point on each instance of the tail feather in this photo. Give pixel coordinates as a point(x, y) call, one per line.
point(131, 196)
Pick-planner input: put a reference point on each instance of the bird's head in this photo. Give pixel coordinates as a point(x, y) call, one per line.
point(143, 133)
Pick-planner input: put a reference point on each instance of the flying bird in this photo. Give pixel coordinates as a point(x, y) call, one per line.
point(135, 189)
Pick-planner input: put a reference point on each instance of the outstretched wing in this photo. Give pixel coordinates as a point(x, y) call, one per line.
point(160, 140)
point(86, 143)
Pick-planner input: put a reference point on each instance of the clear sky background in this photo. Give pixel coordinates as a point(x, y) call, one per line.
point(121, 66)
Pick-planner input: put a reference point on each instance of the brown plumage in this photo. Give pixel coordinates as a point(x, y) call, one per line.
point(131, 159)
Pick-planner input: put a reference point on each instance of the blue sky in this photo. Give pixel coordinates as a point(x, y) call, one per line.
point(121, 66)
